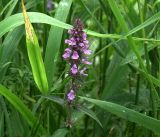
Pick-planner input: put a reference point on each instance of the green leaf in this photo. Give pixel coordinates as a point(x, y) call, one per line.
point(11, 8)
point(146, 23)
point(128, 114)
point(133, 47)
point(154, 80)
point(7, 118)
point(60, 132)
point(18, 104)
point(54, 39)
point(8, 49)
point(35, 17)
point(116, 76)
point(35, 57)
point(2, 124)
point(90, 113)
point(131, 56)
point(6, 6)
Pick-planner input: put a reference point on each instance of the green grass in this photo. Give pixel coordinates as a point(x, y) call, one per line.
point(120, 96)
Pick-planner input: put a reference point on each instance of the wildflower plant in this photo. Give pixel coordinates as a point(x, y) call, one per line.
point(76, 55)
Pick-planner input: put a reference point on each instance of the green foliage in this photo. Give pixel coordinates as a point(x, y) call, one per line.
point(128, 114)
point(124, 78)
point(34, 54)
point(18, 104)
point(54, 40)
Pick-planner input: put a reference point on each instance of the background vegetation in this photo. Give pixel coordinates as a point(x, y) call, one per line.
point(120, 96)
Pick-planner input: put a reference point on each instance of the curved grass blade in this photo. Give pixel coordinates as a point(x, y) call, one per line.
point(133, 47)
point(7, 117)
point(146, 23)
point(6, 6)
point(8, 49)
point(153, 79)
point(131, 56)
point(34, 53)
point(18, 104)
point(128, 114)
point(11, 8)
point(90, 114)
point(35, 17)
point(17, 20)
point(2, 124)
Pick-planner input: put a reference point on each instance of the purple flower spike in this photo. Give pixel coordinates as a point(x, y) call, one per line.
point(75, 55)
point(71, 95)
point(74, 69)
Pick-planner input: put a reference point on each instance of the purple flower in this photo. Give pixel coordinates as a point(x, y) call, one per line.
point(70, 41)
point(71, 95)
point(71, 31)
point(74, 69)
point(49, 5)
point(84, 36)
point(86, 42)
point(87, 52)
point(67, 53)
point(86, 62)
point(75, 55)
point(81, 44)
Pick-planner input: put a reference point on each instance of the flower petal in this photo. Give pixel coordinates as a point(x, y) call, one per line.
point(86, 62)
point(74, 69)
point(81, 44)
point(82, 72)
point(87, 52)
point(71, 95)
point(75, 55)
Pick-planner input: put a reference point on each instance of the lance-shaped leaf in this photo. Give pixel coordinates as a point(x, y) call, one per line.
point(128, 114)
point(55, 36)
point(34, 54)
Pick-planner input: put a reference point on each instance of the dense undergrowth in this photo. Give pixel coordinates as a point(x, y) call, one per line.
point(120, 95)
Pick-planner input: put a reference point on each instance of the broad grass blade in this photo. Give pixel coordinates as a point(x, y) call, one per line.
point(55, 38)
point(34, 54)
point(17, 20)
point(128, 114)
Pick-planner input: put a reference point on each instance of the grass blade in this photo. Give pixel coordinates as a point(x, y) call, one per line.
point(8, 49)
point(90, 114)
point(18, 104)
point(128, 114)
point(34, 53)
point(17, 20)
point(2, 124)
point(54, 39)
point(60, 132)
